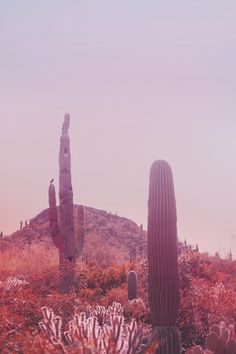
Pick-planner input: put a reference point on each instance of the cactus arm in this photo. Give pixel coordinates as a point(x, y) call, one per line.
point(53, 217)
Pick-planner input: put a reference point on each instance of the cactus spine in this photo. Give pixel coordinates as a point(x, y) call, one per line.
point(163, 277)
point(63, 233)
point(132, 285)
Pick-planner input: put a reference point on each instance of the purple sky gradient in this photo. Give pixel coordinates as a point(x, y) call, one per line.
point(142, 80)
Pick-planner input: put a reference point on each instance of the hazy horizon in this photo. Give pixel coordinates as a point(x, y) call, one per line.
point(141, 81)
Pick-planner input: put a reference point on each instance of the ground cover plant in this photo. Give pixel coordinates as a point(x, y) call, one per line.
point(208, 297)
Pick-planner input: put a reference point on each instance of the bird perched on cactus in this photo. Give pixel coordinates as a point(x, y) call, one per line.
point(163, 277)
point(68, 240)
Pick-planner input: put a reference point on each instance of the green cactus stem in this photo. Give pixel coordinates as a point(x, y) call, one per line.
point(69, 242)
point(163, 276)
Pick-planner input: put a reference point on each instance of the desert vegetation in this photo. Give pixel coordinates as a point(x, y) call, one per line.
point(80, 280)
point(30, 281)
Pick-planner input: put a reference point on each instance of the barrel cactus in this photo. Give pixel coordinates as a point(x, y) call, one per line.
point(163, 276)
point(132, 285)
point(66, 239)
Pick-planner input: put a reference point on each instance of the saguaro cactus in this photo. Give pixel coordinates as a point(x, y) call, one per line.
point(69, 242)
point(163, 277)
point(132, 285)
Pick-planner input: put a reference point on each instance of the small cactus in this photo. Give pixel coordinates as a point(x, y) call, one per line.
point(132, 285)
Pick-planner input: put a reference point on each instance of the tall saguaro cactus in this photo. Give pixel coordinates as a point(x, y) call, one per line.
point(69, 242)
point(163, 277)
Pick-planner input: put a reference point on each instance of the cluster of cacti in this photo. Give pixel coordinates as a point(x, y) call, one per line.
point(52, 326)
point(13, 283)
point(163, 276)
point(88, 335)
point(69, 242)
point(132, 285)
point(221, 339)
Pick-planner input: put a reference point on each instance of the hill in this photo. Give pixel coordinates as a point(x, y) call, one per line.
point(107, 237)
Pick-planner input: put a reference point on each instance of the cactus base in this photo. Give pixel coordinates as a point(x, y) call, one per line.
point(168, 338)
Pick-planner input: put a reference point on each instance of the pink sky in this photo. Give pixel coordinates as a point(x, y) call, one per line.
point(142, 81)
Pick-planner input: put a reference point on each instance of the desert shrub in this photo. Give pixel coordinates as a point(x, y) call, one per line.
point(95, 281)
point(94, 253)
point(119, 294)
point(28, 261)
point(205, 296)
point(29, 281)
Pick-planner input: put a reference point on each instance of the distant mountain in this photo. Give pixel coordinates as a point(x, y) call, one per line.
point(116, 236)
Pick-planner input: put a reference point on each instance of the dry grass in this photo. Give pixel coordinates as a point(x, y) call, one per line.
point(28, 261)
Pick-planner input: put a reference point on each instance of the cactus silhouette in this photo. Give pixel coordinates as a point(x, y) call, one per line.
point(132, 285)
point(163, 276)
point(69, 242)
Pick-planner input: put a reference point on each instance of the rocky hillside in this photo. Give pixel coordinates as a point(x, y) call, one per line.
point(107, 236)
